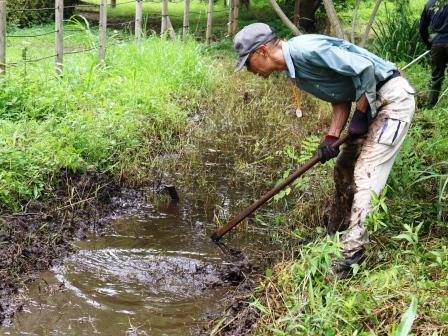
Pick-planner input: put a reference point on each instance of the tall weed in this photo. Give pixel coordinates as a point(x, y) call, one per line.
point(113, 118)
point(397, 35)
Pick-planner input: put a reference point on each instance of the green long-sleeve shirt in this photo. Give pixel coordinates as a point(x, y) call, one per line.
point(335, 70)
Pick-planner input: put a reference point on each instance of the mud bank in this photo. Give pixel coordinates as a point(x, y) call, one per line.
point(85, 205)
point(39, 237)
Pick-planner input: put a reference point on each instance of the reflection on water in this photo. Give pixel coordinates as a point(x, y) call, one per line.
point(160, 275)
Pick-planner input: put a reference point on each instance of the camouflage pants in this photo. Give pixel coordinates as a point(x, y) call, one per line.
point(365, 163)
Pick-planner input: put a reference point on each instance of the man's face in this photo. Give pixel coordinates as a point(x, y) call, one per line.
point(260, 63)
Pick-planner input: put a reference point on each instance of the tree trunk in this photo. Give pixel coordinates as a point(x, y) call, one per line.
point(307, 19)
point(369, 25)
point(295, 18)
point(333, 17)
point(355, 17)
point(284, 18)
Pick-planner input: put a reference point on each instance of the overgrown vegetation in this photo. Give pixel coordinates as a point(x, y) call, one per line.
point(403, 281)
point(405, 261)
point(397, 39)
point(402, 285)
point(117, 118)
point(112, 118)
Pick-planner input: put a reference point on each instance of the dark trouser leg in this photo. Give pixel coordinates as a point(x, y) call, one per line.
point(439, 59)
point(341, 203)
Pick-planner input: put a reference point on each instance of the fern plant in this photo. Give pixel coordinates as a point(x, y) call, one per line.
point(307, 150)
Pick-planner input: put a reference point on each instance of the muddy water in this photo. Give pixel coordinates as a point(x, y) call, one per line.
point(155, 273)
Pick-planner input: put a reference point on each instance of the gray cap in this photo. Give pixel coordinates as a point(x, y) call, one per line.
point(250, 38)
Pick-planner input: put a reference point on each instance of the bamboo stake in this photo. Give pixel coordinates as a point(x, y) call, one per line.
point(355, 17)
point(236, 13)
point(231, 17)
point(164, 17)
point(416, 60)
point(284, 18)
point(170, 28)
point(333, 17)
point(59, 25)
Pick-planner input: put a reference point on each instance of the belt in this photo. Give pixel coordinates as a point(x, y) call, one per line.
point(379, 85)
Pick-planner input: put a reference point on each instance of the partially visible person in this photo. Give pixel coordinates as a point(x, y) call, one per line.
point(435, 16)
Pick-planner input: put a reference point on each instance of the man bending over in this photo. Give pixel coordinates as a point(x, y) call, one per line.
point(341, 73)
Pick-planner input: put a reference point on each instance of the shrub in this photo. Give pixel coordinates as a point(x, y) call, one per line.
point(396, 35)
point(20, 18)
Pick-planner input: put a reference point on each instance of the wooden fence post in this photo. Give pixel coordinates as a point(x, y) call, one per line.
point(2, 36)
point(186, 25)
point(236, 13)
point(208, 33)
point(138, 21)
point(164, 17)
point(103, 30)
point(231, 16)
point(59, 25)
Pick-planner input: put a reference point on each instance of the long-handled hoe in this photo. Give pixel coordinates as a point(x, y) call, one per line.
point(217, 235)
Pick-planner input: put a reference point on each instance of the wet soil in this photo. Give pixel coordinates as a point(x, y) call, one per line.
point(147, 263)
point(34, 240)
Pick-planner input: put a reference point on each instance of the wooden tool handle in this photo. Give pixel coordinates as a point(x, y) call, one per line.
point(217, 235)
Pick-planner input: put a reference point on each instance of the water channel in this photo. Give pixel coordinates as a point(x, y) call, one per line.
point(155, 273)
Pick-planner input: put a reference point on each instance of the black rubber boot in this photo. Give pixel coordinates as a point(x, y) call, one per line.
point(434, 92)
point(343, 269)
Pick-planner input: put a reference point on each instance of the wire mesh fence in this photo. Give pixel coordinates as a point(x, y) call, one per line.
point(141, 23)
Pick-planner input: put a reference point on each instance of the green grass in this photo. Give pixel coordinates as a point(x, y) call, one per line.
point(366, 7)
point(111, 118)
